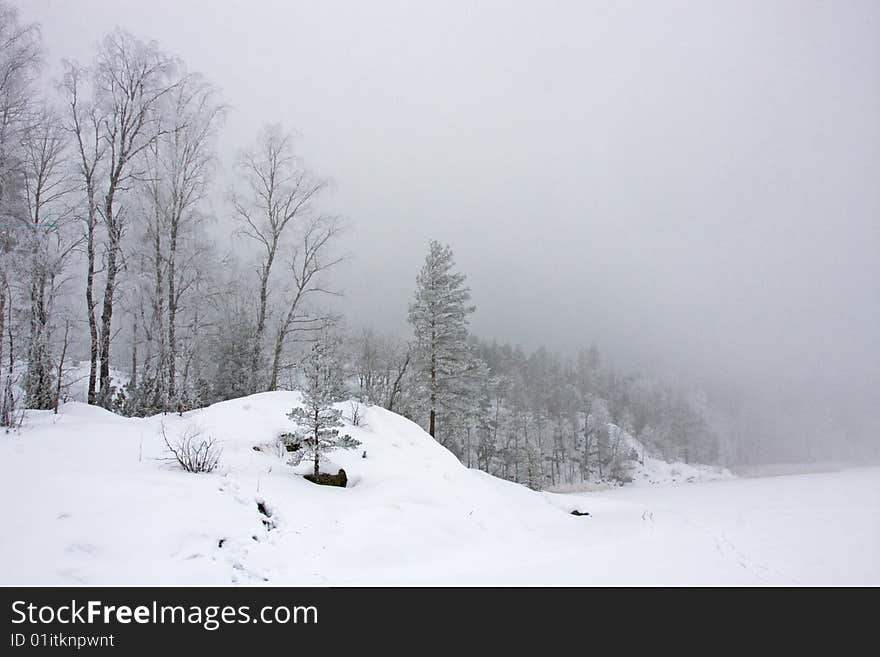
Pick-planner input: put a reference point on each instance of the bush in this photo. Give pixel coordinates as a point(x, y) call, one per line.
point(194, 452)
point(356, 415)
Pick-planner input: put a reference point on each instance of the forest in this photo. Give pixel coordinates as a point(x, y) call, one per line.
point(129, 272)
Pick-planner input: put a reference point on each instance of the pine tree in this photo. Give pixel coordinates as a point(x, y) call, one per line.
point(318, 422)
point(439, 318)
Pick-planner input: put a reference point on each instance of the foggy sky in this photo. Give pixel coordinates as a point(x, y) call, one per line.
point(693, 186)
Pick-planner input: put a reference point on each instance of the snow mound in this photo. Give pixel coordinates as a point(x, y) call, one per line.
point(101, 504)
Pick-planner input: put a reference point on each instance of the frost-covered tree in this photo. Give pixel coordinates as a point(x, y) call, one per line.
point(20, 59)
point(20, 63)
point(231, 348)
point(466, 404)
point(277, 193)
point(47, 240)
point(439, 317)
point(115, 111)
point(318, 422)
point(309, 265)
point(381, 367)
point(168, 259)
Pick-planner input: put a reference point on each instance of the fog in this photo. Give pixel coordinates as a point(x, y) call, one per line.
point(692, 186)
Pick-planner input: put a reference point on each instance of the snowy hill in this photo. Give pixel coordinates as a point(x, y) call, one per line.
point(89, 499)
point(102, 507)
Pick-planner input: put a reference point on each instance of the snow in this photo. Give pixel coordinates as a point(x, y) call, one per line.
point(655, 471)
point(651, 470)
point(88, 499)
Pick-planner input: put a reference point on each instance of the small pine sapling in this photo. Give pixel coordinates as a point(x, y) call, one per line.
point(318, 422)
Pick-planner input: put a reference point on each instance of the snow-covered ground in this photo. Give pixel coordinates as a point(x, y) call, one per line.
point(650, 471)
point(87, 500)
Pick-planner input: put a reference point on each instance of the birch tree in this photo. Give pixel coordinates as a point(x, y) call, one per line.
point(178, 166)
point(125, 89)
point(85, 123)
point(188, 159)
point(310, 262)
point(277, 191)
point(20, 63)
point(47, 243)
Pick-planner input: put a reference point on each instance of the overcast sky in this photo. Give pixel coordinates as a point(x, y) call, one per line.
point(691, 185)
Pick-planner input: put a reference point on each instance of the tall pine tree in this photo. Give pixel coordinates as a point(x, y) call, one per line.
point(439, 317)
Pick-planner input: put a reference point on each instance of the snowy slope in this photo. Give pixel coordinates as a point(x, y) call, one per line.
point(88, 500)
point(653, 470)
point(648, 469)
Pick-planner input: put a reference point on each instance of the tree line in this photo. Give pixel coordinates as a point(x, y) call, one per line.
point(537, 418)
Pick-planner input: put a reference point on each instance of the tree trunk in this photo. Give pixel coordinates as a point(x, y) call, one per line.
point(160, 396)
point(276, 359)
point(395, 389)
point(172, 315)
point(8, 398)
point(261, 318)
point(38, 381)
point(107, 315)
point(3, 289)
point(90, 302)
point(132, 379)
point(432, 417)
point(61, 365)
point(317, 445)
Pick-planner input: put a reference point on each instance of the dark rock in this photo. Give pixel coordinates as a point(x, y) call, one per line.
point(323, 479)
point(291, 442)
point(580, 513)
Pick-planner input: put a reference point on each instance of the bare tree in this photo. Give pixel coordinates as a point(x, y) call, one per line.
point(85, 122)
point(20, 60)
point(131, 77)
point(381, 363)
point(399, 361)
point(188, 159)
point(308, 264)
point(278, 190)
point(128, 83)
point(46, 246)
point(178, 166)
point(150, 306)
point(60, 372)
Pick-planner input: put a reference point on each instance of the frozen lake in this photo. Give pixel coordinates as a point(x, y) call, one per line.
point(811, 529)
